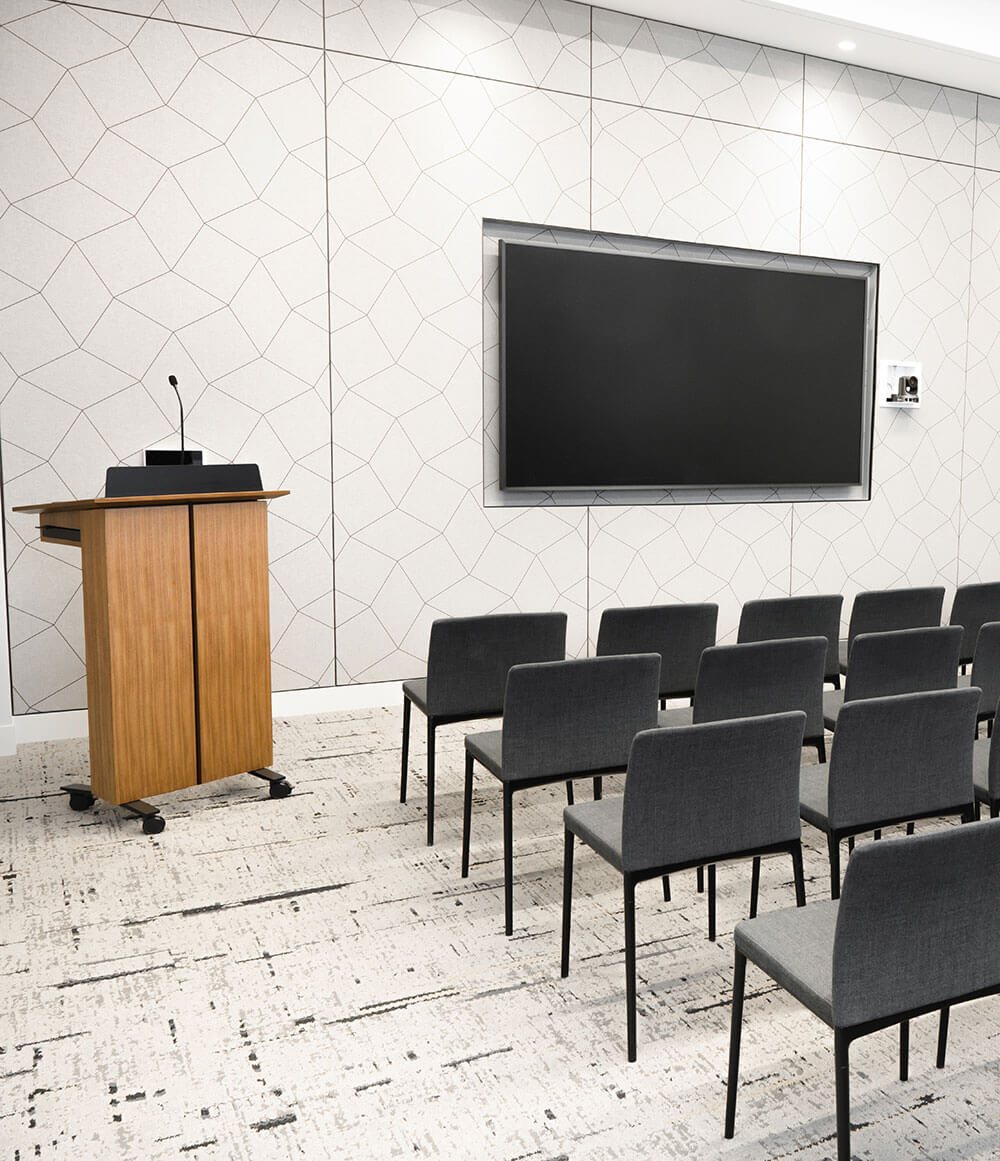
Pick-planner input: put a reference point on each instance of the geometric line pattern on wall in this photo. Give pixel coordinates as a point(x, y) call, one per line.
point(979, 554)
point(860, 106)
point(163, 213)
point(913, 216)
point(417, 159)
point(544, 43)
point(681, 70)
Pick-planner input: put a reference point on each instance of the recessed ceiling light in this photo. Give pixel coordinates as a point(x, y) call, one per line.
point(846, 45)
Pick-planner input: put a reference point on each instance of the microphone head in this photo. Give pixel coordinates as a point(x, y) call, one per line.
point(172, 380)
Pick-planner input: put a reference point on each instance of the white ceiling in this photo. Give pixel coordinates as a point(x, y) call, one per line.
point(952, 42)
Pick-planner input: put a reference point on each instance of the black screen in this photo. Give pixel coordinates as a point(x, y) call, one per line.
point(619, 370)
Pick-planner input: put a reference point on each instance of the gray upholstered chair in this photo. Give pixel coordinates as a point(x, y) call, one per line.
point(986, 671)
point(902, 661)
point(894, 759)
point(907, 938)
point(759, 677)
point(972, 607)
point(561, 720)
point(807, 616)
point(883, 610)
point(679, 633)
point(986, 772)
point(467, 663)
point(693, 795)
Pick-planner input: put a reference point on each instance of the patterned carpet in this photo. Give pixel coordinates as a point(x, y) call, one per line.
point(306, 979)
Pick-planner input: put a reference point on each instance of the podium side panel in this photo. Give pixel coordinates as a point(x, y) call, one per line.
point(137, 602)
point(233, 637)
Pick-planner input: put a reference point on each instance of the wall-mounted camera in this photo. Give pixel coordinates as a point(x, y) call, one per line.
point(900, 385)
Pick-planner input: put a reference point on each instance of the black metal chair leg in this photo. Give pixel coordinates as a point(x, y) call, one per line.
point(431, 727)
point(904, 1050)
point(598, 789)
point(833, 843)
point(942, 1045)
point(508, 859)
point(821, 748)
point(630, 964)
point(735, 1029)
point(910, 828)
point(467, 815)
point(877, 834)
point(850, 844)
point(701, 880)
point(754, 886)
point(994, 809)
point(666, 888)
point(711, 901)
point(569, 794)
point(567, 902)
point(843, 1086)
point(799, 875)
point(407, 705)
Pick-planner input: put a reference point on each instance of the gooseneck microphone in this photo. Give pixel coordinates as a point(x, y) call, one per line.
point(172, 380)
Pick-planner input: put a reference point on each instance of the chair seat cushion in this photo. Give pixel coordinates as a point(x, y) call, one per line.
point(795, 947)
point(814, 783)
point(486, 748)
point(599, 825)
point(833, 699)
point(416, 691)
point(681, 716)
point(981, 768)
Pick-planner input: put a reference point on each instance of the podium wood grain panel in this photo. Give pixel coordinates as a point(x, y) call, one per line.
point(233, 637)
point(140, 658)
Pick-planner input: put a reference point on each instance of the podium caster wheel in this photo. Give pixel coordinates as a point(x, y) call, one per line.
point(153, 825)
point(280, 789)
point(79, 801)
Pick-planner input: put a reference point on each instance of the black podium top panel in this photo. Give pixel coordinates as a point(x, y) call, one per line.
point(182, 479)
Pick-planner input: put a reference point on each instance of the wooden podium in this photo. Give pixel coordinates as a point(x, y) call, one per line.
point(175, 605)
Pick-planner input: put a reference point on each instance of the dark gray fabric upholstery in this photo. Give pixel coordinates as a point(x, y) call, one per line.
point(833, 701)
point(468, 659)
point(986, 666)
point(813, 800)
point(901, 757)
point(973, 607)
point(599, 825)
point(782, 617)
point(762, 677)
point(795, 947)
point(986, 766)
point(571, 717)
point(910, 929)
point(682, 715)
point(487, 748)
point(711, 790)
point(679, 633)
point(882, 610)
point(903, 661)
point(415, 688)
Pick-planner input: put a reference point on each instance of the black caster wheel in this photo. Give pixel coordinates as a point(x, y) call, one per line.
point(153, 825)
point(280, 789)
point(81, 801)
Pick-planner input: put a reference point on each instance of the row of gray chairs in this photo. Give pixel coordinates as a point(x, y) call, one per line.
point(468, 657)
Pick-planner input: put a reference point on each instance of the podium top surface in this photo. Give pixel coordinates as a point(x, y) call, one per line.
point(148, 501)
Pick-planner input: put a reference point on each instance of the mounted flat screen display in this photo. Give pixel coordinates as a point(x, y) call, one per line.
point(631, 371)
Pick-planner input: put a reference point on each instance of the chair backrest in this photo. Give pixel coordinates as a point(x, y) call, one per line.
point(679, 633)
point(763, 677)
point(882, 610)
point(973, 606)
point(993, 764)
point(712, 790)
point(809, 616)
point(468, 658)
point(986, 664)
point(903, 756)
point(903, 661)
point(571, 717)
point(910, 926)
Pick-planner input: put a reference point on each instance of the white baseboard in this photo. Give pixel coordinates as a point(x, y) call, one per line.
point(290, 703)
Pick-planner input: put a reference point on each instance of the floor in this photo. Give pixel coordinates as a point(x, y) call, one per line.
point(304, 978)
